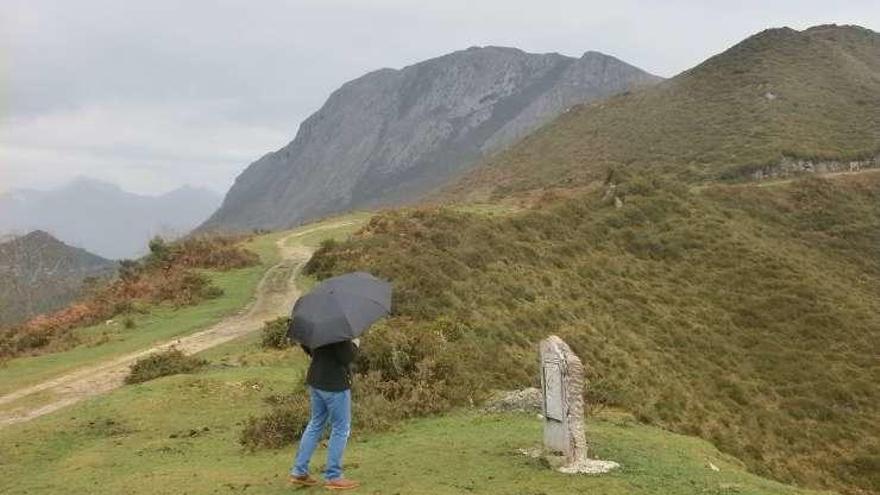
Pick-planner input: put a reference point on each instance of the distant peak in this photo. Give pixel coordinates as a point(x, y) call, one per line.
point(770, 34)
point(83, 181)
point(594, 54)
point(38, 236)
point(837, 27)
point(190, 190)
point(493, 49)
point(782, 33)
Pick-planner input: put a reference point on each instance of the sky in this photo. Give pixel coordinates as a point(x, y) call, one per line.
point(155, 94)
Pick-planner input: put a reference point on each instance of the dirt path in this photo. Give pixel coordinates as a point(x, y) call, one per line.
point(274, 295)
point(787, 180)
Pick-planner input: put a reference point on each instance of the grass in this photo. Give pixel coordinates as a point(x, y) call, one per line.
point(159, 324)
point(352, 223)
point(714, 120)
point(747, 316)
point(179, 434)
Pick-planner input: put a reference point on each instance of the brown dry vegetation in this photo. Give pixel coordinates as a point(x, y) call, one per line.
point(403, 370)
point(168, 275)
point(746, 315)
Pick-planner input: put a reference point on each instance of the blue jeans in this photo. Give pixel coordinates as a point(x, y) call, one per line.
point(335, 407)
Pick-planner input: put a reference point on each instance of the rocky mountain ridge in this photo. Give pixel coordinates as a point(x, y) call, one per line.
point(391, 135)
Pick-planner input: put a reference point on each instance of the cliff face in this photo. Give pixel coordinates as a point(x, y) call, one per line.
point(391, 135)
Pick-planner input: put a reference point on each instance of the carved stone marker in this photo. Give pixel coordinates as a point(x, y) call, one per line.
point(562, 380)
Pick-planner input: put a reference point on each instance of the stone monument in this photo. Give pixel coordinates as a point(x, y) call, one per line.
point(562, 383)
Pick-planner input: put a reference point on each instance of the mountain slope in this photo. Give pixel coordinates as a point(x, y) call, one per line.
point(748, 316)
point(745, 314)
point(812, 94)
point(103, 218)
point(39, 273)
point(392, 134)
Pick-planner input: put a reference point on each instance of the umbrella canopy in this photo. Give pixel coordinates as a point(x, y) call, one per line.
point(339, 309)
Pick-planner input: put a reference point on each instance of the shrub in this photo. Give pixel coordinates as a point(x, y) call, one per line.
point(281, 426)
point(402, 371)
point(214, 252)
point(129, 323)
point(321, 265)
point(160, 251)
point(170, 362)
point(275, 334)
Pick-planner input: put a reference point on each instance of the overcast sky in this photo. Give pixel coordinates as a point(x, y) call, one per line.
point(155, 94)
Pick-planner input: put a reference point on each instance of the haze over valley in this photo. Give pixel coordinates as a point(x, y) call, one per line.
point(104, 219)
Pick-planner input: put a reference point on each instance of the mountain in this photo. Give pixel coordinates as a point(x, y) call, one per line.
point(779, 102)
point(744, 312)
point(391, 135)
point(39, 273)
point(103, 218)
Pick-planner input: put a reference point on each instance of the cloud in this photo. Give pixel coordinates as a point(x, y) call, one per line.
point(155, 94)
point(143, 147)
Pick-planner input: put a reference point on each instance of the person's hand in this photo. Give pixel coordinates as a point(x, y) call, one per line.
point(356, 342)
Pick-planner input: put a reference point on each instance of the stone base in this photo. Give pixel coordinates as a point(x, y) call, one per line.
point(556, 462)
point(589, 466)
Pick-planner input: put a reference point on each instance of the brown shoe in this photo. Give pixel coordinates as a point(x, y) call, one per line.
point(341, 484)
point(303, 480)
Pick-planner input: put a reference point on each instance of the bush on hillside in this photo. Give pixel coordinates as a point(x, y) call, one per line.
point(321, 264)
point(402, 371)
point(170, 362)
point(281, 426)
point(274, 334)
point(213, 252)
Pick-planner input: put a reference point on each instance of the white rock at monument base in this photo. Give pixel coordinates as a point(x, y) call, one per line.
point(589, 466)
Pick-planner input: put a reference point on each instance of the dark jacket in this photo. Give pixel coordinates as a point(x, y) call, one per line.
point(330, 369)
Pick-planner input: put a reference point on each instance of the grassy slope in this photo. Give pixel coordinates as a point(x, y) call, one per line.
point(152, 438)
point(714, 119)
point(164, 323)
point(158, 325)
point(745, 315)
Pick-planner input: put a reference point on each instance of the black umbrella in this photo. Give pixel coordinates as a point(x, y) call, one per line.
point(339, 309)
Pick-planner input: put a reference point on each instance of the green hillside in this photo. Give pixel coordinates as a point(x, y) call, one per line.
point(746, 315)
point(802, 94)
point(180, 435)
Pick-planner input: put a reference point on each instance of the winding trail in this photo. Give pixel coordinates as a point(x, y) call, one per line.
point(273, 298)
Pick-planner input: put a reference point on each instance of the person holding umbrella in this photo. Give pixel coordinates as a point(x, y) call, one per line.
point(326, 323)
